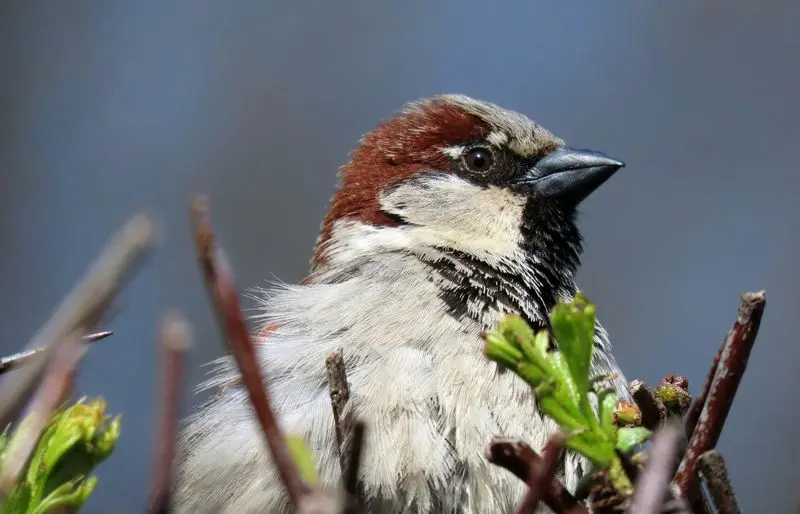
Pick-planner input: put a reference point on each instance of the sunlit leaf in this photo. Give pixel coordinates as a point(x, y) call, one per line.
point(303, 457)
point(629, 438)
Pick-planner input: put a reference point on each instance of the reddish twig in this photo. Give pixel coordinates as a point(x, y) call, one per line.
point(518, 458)
point(731, 367)
point(340, 394)
point(224, 296)
point(82, 308)
point(652, 486)
point(54, 388)
point(653, 411)
point(712, 467)
point(19, 359)
point(693, 415)
point(542, 474)
point(175, 342)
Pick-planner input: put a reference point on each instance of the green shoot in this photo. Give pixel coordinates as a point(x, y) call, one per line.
point(561, 383)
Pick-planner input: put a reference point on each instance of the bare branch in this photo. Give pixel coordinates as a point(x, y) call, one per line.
point(82, 308)
point(731, 368)
point(19, 359)
point(340, 394)
point(652, 486)
point(518, 458)
point(693, 415)
point(712, 467)
point(354, 462)
point(176, 335)
point(51, 393)
point(224, 296)
point(542, 474)
point(653, 411)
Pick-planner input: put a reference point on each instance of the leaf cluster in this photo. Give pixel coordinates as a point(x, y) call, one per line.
point(74, 442)
point(559, 376)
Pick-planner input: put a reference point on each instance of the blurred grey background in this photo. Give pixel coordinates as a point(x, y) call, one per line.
point(107, 108)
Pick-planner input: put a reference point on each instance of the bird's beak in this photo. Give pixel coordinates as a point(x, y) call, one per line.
point(569, 175)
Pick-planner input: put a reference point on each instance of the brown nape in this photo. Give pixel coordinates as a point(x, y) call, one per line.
point(396, 150)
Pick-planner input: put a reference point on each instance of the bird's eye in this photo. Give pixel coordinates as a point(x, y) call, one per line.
point(478, 159)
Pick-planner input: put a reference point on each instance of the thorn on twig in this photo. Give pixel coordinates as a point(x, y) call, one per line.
point(82, 308)
point(518, 458)
point(715, 474)
point(19, 359)
point(721, 393)
point(97, 336)
point(653, 411)
point(340, 394)
point(224, 296)
point(176, 335)
point(652, 487)
point(54, 389)
point(542, 473)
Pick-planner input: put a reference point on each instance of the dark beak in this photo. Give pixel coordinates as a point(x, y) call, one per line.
point(569, 175)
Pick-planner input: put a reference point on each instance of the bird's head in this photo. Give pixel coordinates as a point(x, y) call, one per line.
point(454, 174)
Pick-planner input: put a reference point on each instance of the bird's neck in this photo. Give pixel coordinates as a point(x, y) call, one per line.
point(473, 288)
point(527, 281)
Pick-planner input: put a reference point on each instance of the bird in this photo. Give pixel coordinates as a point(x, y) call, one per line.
point(450, 214)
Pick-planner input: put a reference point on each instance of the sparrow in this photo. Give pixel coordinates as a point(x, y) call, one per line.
point(448, 215)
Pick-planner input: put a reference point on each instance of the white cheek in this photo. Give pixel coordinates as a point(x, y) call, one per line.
point(446, 211)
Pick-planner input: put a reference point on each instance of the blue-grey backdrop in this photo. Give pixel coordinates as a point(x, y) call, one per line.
point(112, 107)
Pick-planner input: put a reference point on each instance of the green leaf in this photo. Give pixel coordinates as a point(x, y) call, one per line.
point(629, 438)
point(516, 330)
point(619, 479)
point(573, 328)
point(560, 414)
point(71, 494)
point(498, 349)
point(568, 389)
point(607, 402)
point(73, 442)
point(303, 457)
point(598, 450)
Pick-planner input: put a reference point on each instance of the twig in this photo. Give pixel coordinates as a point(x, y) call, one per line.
point(54, 388)
point(652, 486)
point(340, 394)
point(176, 337)
point(223, 293)
point(631, 470)
point(354, 462)
point(731, 367)
point(518, 458)
point(693, 415)
point(542, 474)
point(712, 467)
point(653, 411)
point(82, 308)
point(19, 359)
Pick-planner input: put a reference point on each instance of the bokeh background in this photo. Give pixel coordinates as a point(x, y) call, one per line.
point(108, 108)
